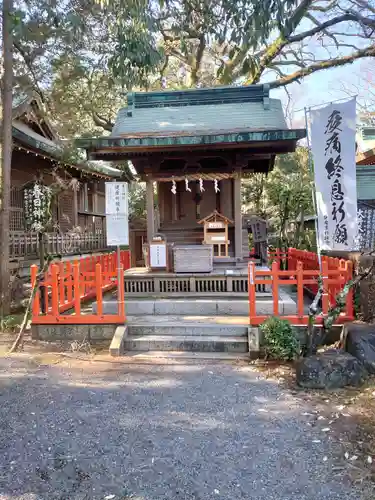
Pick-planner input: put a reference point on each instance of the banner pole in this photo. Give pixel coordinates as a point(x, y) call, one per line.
point(313, 192)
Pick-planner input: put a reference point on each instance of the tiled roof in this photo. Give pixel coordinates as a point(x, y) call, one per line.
point(200, 119)
point(54, 149)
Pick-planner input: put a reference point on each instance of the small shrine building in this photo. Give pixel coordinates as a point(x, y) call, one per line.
point(192, 148)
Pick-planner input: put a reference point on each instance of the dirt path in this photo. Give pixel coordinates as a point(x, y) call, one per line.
point(80, 430)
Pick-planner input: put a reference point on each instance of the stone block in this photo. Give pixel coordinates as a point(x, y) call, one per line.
point(101, 332)
point(264, 307)
point(139, 307)
point(186, 307)
point(69, 333)
point(233, 308)
point(253, 340)
point(287, 305)
point(117, 345)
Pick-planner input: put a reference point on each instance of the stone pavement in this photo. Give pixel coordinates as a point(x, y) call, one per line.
point(81, 430)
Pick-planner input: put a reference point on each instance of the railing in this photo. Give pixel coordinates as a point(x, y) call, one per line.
point(67, 285)
point(27, 244)
point(333, 280)
point(288, 259)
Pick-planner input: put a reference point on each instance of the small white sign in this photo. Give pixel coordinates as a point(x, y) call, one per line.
point(216, 225)
point(158, 255)
point(117, 230)
point(116, 198)
point(218, 238)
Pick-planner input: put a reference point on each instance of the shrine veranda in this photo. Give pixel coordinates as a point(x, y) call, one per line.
point(192, 148)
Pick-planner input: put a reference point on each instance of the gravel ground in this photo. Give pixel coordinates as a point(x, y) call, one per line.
point(79, 430)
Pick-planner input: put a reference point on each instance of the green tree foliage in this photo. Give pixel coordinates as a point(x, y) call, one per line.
point(284, 198)
point(137, 201)
point(81, 55)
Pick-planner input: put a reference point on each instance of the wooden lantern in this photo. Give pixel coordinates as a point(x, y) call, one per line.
point(216, 232)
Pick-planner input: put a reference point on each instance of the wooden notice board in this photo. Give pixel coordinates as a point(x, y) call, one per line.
point(215, 228)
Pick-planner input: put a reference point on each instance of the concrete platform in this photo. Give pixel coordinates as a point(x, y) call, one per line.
point(199, 306)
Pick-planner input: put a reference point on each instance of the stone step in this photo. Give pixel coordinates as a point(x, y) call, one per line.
point(179, 357)
point(194, 343)
point(198, 307)
point(200, 326)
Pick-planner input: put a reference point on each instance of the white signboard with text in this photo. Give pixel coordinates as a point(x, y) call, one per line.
point(333, 130)
point(117, 230)
point(158, 255)
point(116, 198)
point(116, 202)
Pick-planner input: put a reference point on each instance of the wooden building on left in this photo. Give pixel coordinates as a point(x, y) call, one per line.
point(78, 211)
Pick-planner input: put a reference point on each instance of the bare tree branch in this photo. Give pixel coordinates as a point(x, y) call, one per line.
point(332, 63)
point(331, 22)
point(100, 121)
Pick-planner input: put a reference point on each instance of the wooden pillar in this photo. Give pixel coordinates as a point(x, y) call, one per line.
point(175, 204)
point(161, 202)
point(237, 203)
point(94, 196)
point(75, 207)
point(150, 209)
point(85, 197)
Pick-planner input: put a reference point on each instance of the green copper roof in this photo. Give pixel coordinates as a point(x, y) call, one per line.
point(200, 119)
point(239, 137)
point(197, 117)
point(197, 97)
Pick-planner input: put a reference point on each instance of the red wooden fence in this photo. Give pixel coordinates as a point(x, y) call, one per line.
point(289, 258)
point(66, 285)
point(304, 274)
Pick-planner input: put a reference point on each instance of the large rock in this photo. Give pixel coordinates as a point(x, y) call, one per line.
point(329, 370)
point(360, 342)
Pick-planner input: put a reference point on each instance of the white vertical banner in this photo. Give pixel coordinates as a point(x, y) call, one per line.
point(116, 209)
point(116, 198)
point(333, 131)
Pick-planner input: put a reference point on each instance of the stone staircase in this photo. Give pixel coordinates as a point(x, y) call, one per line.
point(181, 334)
point(191, 327)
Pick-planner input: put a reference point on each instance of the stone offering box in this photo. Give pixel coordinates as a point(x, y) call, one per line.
point(193, 258)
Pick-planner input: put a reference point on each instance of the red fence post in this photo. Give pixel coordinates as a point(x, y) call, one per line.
point(99, 290)
point(76, 289)
point(69, 282)
point(325, 277)
point(36, 301)
point(61, 283)
point(275, 288)
point(45, 297)
point(54, 290)
point(121, 294)
point(251, 289)
point(350, 297)
point(299, 276)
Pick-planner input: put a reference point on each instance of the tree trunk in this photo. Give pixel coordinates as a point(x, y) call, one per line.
point(7, 83)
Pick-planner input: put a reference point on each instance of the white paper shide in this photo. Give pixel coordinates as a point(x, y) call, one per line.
point(333, 130)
